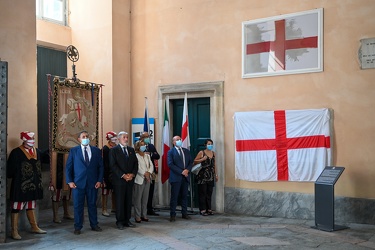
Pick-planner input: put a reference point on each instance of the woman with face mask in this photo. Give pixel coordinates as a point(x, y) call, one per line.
point(206, 177)
point(142, 182)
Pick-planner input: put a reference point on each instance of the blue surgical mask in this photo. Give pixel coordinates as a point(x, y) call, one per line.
point(179, 143)
point(143, 148)
point(210, 147)
point(147, 140)
point(85, 141)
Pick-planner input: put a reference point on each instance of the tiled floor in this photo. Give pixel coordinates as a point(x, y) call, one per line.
point(220, 231)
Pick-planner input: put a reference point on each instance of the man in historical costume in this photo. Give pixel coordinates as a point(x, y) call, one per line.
point(151, 150)
point(58, 195)
point(24, 168)
point(59, 190)
point(107, 183)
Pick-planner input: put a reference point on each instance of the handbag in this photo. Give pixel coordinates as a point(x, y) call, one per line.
point(196, 168)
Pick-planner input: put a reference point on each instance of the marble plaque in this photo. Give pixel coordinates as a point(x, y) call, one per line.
point(366, 53)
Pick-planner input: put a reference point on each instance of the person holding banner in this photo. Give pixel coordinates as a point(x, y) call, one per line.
point(151, 150)
point(180, 164)
point(206, 177)
point(107, 187)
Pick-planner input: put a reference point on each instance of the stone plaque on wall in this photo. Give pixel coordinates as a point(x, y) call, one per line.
point(366, 53)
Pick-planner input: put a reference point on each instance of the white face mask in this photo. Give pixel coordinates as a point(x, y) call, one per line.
point(114, 140)
point(143, 148)
point(179, 143)
point(30, 143)
point(85, 141)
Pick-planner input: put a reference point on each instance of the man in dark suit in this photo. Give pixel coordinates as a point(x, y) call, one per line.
point(180, 164)
point(124, 166)
point(84, 175)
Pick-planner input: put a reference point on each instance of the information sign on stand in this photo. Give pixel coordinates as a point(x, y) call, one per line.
point(324, 199)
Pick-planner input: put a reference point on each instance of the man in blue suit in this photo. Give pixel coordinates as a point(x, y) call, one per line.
point(84, 175)
point(180, 164)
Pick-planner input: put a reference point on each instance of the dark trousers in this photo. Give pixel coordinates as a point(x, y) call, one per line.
point(79, 195)
point(124, 195)
point(205, 193)
point(150, 197)
point(179, 188)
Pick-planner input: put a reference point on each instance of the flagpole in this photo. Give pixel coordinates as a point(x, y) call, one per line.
point(185, 119)
point(146, 122)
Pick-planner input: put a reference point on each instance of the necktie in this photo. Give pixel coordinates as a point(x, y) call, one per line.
point(126, 154)
point(87, 160)
point(182, 156)
point(31, 151)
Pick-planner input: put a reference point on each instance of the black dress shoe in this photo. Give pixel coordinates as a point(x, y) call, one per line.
point(172, 219)
point(129, 224)
point(144, 219)
point(152, 213)
point(96, 228)
point(186, 217)
point(77, 232)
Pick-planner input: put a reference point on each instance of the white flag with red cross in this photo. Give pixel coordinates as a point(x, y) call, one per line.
point(185, 137)
point(283, 45)
point(282, 145)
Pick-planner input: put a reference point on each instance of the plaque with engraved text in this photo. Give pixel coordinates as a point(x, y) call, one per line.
point(330, 175)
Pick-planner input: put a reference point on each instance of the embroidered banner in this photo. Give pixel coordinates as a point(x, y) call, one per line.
point(75, 108)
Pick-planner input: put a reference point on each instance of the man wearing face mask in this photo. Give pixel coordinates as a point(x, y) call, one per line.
point(151, 150)
point(180, 164)
point(124, 166)
point(84, 175)
point(24, 169)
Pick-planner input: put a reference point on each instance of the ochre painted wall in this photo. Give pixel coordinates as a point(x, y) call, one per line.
point(189, 41)
point(165, 42)
point(18, 48)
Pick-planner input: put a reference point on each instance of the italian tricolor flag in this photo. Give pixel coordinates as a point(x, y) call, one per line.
point(166, 145)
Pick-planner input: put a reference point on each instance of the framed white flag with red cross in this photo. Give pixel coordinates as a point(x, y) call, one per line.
point(285, 44)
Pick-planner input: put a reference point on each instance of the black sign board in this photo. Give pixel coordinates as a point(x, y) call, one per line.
point(330, 175)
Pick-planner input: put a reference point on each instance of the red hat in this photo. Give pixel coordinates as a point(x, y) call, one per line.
point(110, 135)
point(26, 135)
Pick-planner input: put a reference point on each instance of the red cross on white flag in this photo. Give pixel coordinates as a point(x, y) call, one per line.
point(185, 126)
point(78, 109)
point(282, 145)
point(289, 43)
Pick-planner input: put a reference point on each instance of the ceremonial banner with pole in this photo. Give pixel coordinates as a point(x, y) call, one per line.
point(75, 108)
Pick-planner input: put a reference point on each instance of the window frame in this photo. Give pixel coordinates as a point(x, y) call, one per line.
point(40, 13)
